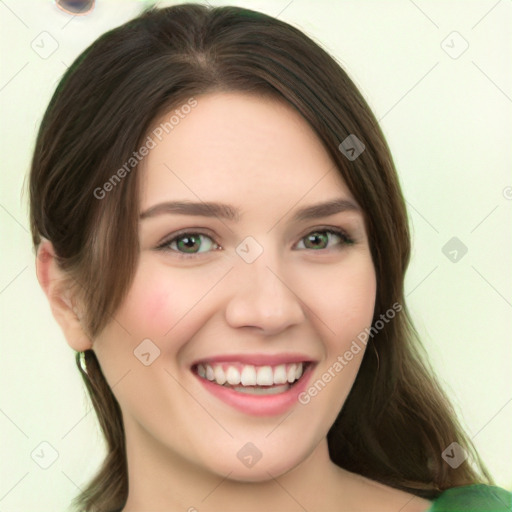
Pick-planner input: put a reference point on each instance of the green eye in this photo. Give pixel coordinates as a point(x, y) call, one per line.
point(190, 243)
point(318, 240)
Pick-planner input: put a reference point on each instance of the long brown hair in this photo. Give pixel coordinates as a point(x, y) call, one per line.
point(396, 421)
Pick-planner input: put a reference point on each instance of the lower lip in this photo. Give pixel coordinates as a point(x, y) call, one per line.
point(260, 405)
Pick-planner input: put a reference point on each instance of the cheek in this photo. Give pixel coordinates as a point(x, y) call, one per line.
point(158, 299)
point(162, 297)
point(345, 307)
point(345, 301)
point(150, 306)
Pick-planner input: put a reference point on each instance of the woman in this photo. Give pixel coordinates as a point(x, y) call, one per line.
point(222, 238)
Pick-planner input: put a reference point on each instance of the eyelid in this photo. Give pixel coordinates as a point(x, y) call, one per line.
point(164, 245)
point(347, 239)
point(337, 230)
point(185, 231)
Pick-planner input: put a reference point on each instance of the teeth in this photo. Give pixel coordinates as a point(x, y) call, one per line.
point(265, 376)
point(280, 374)
point(291, 373)
point(249, 375)
point(232, 376)
point(262, 391)
point(219, 375)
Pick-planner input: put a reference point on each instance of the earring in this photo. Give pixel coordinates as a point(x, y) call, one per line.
point(83, 365)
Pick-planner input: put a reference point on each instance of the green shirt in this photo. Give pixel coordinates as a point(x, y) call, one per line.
point(473, 498)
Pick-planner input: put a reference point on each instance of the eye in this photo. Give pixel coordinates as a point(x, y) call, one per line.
point(319, 239)
point(189, 244)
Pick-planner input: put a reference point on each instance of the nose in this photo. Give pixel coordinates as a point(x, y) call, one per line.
point(263, 298)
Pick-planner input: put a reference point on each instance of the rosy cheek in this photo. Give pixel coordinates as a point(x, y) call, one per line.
point(156, 308)
point(148, 307)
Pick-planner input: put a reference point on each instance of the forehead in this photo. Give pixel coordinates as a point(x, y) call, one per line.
point(239, 148)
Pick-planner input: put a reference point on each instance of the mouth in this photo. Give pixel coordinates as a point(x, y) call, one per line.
point(251, 379)
point(258, 385)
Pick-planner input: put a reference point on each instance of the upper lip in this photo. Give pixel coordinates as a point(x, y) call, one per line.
point(256, 359)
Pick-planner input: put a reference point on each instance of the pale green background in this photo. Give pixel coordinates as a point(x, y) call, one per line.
point(448, 123)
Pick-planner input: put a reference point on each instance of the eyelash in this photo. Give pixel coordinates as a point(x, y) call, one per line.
point(345, 240)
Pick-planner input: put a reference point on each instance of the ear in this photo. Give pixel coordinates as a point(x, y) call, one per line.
point(53, 282)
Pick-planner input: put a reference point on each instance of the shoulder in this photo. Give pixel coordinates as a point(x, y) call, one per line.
point(372, 495)
point(473, 498)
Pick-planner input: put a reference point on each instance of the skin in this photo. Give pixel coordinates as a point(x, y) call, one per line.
point(261, 157)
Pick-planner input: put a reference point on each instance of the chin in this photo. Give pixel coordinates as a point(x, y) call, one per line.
point(262, 470)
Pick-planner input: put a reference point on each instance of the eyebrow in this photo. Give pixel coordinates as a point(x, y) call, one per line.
point(225, 211)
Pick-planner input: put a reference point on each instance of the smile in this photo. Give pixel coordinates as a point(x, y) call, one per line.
point(264, 389)
point(245, 377)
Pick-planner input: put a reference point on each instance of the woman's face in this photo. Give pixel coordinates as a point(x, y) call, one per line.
point(255, 292)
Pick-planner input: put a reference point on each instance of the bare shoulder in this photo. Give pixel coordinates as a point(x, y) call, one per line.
point(377, 496)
